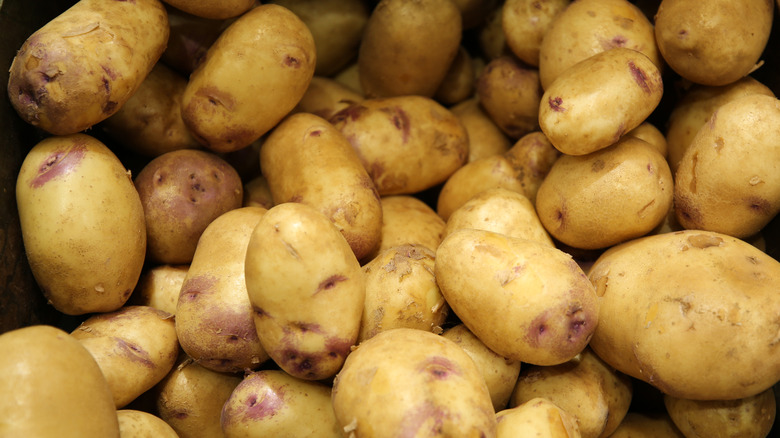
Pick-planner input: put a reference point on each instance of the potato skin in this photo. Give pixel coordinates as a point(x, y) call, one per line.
point(86, 262)
point(525, 23)
point(139, 424)
point(83, 65)
point(212, 9)
point(407, 220)
point(538, 416)
point(509, 91)
point(746, 417)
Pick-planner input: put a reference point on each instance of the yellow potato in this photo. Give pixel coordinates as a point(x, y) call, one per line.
point(159, 287)
point(458, 84)
point(525, 22)
point(485, 137)
point(213, 9)
point(509, 92)
point(647, 425)
point(408, 220)
point(139, 424)
point(491, 37)
point(539, 417)
point(746, 417)
point(83, 65)
point(649, 133)
point(326, 96)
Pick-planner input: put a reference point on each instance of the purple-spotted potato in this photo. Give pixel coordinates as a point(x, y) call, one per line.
point(540, 417)
point(82, 224)
point(525, 23)
point(326, 96)
point(306, 288)
point(214, 318)
point(485, 137)
point(549, 309)
point(509, 92)
point(140, 424)
point(444, 393)
point(213, 9)
point(749, 417)
point(83, 65)
point(159, 287)
point(408, 220)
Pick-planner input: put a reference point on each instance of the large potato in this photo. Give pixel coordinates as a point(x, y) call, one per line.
point(82, 224)
point(83, 65)
point(253, 75)
point(548, 309)
point(443, 393)
point(686, 311)
point(749, 417)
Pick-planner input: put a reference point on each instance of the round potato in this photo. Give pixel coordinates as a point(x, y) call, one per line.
point(159, 287)
point(407, 220)
point(139, 424)
point(746, 417)
point(525, 22)
point(539, 417)
point(510, 93)
point(485, 137)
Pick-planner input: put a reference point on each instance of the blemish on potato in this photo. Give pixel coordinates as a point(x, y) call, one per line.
point(640, 77)
point(556, 104)
point(330, 283)
point(427, 414)
point(291, 61)
point(759, 206)
point(350, 113)
point(439, 367)
point(134, 353)
point(217, 97)
point(194, 287)
point(597, 165)
point(702, 241)
point(265, 404)
point(719, 143)
point(59, 163)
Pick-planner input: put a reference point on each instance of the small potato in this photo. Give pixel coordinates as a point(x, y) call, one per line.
point(306, 288)
point(325, 97)
point(501, 211)
point(266, 52)
point(139, 424)
point(213, 314)
point(525, 22)
point(82, 224)
point(257, 193)
point(407, 144)
point(549, 309)
point(391, 63)
point(730, 166)
point(593, 103)
point(606, 197)
point(652, 135)
point(750, 417)
point(135, 347)
point(510, 93)
point(349, 76)
point(485, 137)
point(491, 37)
point(500, 374)
point(458, 84)
point(306, 159)
point(190, 39)
point(181, 193)
point(443, 394)
point(82, 66)
point(702, 50)
point(272, 403)
point(159, 287)
point(647, 425)
point(408, 220)
point(539, 417)
point(401, 291)
point(213, 9)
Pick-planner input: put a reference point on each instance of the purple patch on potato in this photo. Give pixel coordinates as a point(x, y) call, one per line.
point(337, 347)
point(640, 77)
point(291, 61)
point(439, 368)
point(217, 97)
point(400, 120)
point(60, 162)
point(416, 417)
point(134, 353)
point(556, 104)
point(194, 287)
point(330, 283)
point(258, 400)
point(348, 114)
point(111, 73)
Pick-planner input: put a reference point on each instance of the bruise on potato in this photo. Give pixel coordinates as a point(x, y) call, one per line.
point(59, 163)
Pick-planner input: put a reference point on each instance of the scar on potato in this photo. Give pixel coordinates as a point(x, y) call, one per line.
point(194, 287)
point(439, 368)
point(59, 162)
point(640, 77)
point(264, 404)
point(556, 104)
point(134, 353)
point(330, 283)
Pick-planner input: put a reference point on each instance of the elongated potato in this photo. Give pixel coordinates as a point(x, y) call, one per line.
point(746, 417)
point(272, 52)
point(81, 67)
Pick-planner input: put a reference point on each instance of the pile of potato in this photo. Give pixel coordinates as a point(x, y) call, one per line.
point(398, 218)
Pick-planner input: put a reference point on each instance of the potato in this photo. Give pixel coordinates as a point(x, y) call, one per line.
point(307, 292)
point(682, 311)
point(159, 287)
point(190, 39)
point(525, 23)
point(593, 103)
point(586, 28)
point(82, 224)
point(257, 193)
point(53, 387)
point(182, 192)
point(697, 41)
point(443, 392)
point(501, 211)
point(475, 12)
point(272, 403)
point(539, 417)
point(549, 309)
point(150, 122)
point(485, 137)
point(407, 143)
point(746, 417)
point(349, 76)
point(401, 291)
point(606, 197)
point(510, 93)
point(730, 166)
point(191, 397)
point(407, 47)
point(521, 169)
point(594, 394)
point(214, 318)
point(458, 84)
point(266, 52)
point(325, 97)
point(500, 374)
point(83, 65)
point(139, 424)
point(408, 220)
point(648, 132)
point(491, 38)
point(306, 159)
point(213, 9)
point(647, 425)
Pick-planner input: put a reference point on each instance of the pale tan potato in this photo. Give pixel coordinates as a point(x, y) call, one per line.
point(82, 224)
point(53, 387)
point(214, 317)
point(548, 308)
point(408, 220)
point(213, 9)
point(443, 393)
point(393, 64)
point(500, 373)
point(502, 211)
point(509, 92)
point(135, 347)
point(522, 168)
point(727, 180)
point(305, 159)
point(139, 424)
point(650, 133)
point(266, 52)
point(540, 417)
point(746, 417)
point(83, 65)
point(525, 22)
point(681, 311)
point(274, 404)
point(159, 287)
point(349, 76)
point(647, 425)
point(257, 193)
point(406, 143)
point(459, 82)
point(594, 102)
point(401, 291)
point(326, 96)
point(485, 137)
point(307, 292)
point(588, 27)
point(606, 197)
point(721, 45)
